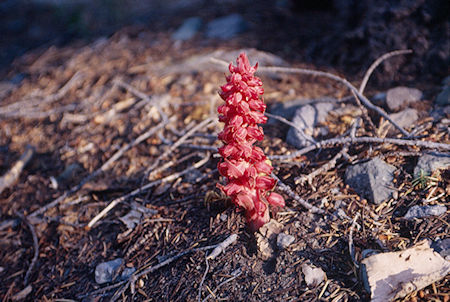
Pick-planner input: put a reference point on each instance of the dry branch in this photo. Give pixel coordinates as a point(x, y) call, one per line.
point(13, 174)
point(346, 83)
point(362, 140)
point(378, 62)
point(285, 188)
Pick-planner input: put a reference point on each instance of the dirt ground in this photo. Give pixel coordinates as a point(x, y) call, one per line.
point(79, 104)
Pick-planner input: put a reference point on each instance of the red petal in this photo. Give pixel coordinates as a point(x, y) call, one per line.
point(276, 199)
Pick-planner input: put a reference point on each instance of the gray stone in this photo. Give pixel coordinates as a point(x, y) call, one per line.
point(405, 118)
point(306, 118)
point(105, 271)
point(226, 27)
point(425, 211)
point(287, 109)
point(131, 219)
point(430, 163)
point(400, 97)
point(371, 180)
point(284, 240)
point(188, 29)
point(442, 247)
point(313, 276)
point(443, 98)
point(127, 272)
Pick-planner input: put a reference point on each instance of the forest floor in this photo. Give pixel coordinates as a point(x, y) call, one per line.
point(134, 116)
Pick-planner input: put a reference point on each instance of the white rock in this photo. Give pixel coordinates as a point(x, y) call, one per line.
point(313, 276)
point(284, 240)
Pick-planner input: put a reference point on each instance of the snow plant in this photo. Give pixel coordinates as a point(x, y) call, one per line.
point(244, 165)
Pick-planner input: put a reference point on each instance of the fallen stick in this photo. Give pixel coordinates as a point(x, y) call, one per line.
point(152, 184)
point(378, 62)
point(343, 81)
point(359, 140)
point(285, 188)
point(13, 174)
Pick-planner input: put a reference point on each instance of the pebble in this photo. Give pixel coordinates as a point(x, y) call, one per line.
point(372, 180)
point(132, 219)
point(306, 118)
point(430, 163)
point(405, 118)
point(284, 241)
point(400, 97)
point(105, 271)
point(443, 98)
point(442, 247)
point(188, 29)
point(226, 27)
point(313, 276)
point(425, 211)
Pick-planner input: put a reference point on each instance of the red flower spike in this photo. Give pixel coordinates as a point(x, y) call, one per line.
point(245, 167)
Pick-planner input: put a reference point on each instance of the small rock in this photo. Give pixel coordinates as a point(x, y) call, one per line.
point(287, 109)
point(265, 250)
point(371, 180)
point(226, 27)
point(132, 219)
point(105, 271)
point(271, 229)
point(265, 237)
point(405, 118)
point(400, 97)
point(443, 98)
point(188, 29)
point(442, 247)
point(430, 163)
point(127, 272)
point(284, 241)
point(425, 211)
point(306, 118)
point(393, 275)
point(313, 276)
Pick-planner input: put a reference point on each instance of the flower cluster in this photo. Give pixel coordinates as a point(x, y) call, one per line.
point(244, 165)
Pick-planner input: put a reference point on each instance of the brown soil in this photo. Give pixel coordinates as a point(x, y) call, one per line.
point(72, 123)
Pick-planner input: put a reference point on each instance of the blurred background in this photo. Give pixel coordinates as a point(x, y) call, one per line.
point(347, 35)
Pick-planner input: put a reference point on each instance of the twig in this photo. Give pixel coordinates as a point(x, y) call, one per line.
point(360, 140)
point(222, 246)
point(285, 188)
point(103, 168)
point(351, 247)
point(199, 299)
point(234, 274)
point(300, 130)
point(346, 83)
point(116, 201)
point(378, 62)
point(35, 246)
point(181, 140)
point(13, 174)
